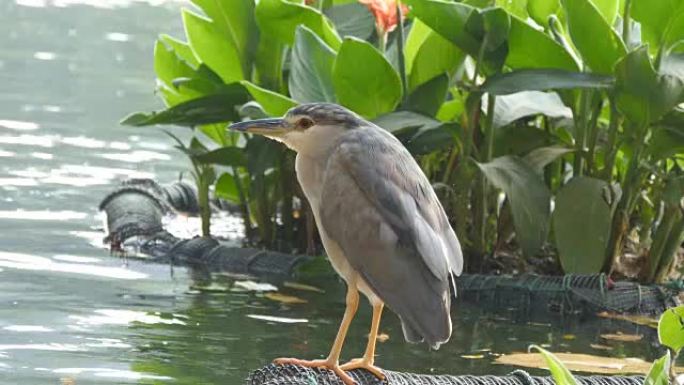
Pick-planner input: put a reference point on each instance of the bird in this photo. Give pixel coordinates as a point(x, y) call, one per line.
point(381, 224)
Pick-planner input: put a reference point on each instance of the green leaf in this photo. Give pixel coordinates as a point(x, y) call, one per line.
point(224, 156)
point(364, 80)
point(169, 66)
point(419, 133)
point(543, 79)
point(509, 108)
point(585, 25)
point(235, 20)
point(428, 54)
point(212, 48)
point(448, 19)
point(273, 103)
point(581, 225)
point(216, 132)
point(608, 9)
point(490, 26)
point(531, 48)
point(659, 374)
point(279, 19)
point(227, 189)
point(666, 141)
point(352, 20)
point(268, 63)
point(427, 98)
point(671, 328)
point(181, 48)
point(311, 66)
point(519, 139)
point(655, 18)
point(561, 375)
point(643, 96)
point(530, 199)
point(215, 108)
point(540, 157)
point(517, 8)
point(540, 10)
point(452, 109)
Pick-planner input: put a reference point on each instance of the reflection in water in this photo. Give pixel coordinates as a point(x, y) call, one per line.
point(123, 317)
point(43, 215)
point(32, 262)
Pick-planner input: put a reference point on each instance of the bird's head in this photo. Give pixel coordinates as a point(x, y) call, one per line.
point(308, 128)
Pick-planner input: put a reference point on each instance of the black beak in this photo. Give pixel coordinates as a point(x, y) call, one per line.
point(270, 126)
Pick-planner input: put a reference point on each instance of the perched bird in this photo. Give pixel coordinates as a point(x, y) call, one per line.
point(381, 224)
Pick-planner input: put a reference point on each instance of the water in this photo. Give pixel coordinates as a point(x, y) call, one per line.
point(70, 312)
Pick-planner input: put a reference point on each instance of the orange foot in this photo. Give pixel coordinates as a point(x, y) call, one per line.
point(362, 363)
point(326, 364)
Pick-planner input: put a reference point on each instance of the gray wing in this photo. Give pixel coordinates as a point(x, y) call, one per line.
point(380, 208)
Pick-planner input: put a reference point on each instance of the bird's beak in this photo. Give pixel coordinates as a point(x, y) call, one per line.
point(269, 127)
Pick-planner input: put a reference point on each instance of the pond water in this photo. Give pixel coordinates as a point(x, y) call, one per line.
point(70, 312)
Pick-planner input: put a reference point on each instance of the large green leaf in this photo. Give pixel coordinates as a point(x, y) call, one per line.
point(659, 374)
point(212, 48)
point(656, 17)
point(168, 66)
point(224, 156)
point(311, 66)
point(227, 189)
point(449, 19)
point(540, 10)
point(530, 48)
point(540, 157)
point(671, 328)
point(581, 225)
point(428, 97)
point(643, 96)
point(273, 103)
point(181, 48)
point(428, 54)
point(215, 108)
point(666, 141)
point(279, 19)
point(419, 133)
point(235, 20)
point(352, 20)
point(608, 9)
point(517, 8)
point(509, 108)
point(597, 42)
point(364, 80)
point(561, 375)
point(543, 79)
point(530, 199)
point(268, 63)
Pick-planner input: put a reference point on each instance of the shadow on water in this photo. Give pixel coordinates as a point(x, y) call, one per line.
point(70, 69)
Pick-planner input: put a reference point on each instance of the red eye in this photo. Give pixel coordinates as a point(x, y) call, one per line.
point(305, 123)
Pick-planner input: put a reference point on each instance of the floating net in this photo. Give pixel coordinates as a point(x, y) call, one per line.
point(567, 294)
point(297, 375)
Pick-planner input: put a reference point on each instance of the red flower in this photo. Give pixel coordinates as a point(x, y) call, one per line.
point(385, 13)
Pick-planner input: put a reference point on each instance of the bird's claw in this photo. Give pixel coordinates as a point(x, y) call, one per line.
point(362, 363)
point(325, 364)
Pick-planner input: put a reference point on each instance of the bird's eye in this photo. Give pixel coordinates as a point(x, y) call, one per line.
point(304, 123)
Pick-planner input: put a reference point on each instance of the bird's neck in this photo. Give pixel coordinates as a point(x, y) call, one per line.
point(310, 174)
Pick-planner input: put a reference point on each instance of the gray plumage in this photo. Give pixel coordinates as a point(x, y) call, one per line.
point(382, 211)
point(380, 221)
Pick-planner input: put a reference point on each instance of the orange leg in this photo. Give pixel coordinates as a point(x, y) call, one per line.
point(368, 359)
point(332, 362)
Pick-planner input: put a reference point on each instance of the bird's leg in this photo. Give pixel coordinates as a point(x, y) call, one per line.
point(333, 360)
point(368, 359)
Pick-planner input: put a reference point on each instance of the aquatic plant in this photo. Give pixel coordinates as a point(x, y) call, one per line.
point(662, 372)
point(512, 108)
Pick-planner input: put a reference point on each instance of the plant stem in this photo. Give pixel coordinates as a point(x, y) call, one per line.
point(482, 213)
point(593, 135)
point(203, 198)
point(657, 257)
point(400, 51)
point(626, 16)
point(611, 153)
point(580, 132)
point(630, 193)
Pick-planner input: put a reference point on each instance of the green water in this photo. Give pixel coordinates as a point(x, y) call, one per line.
point(69, 70)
